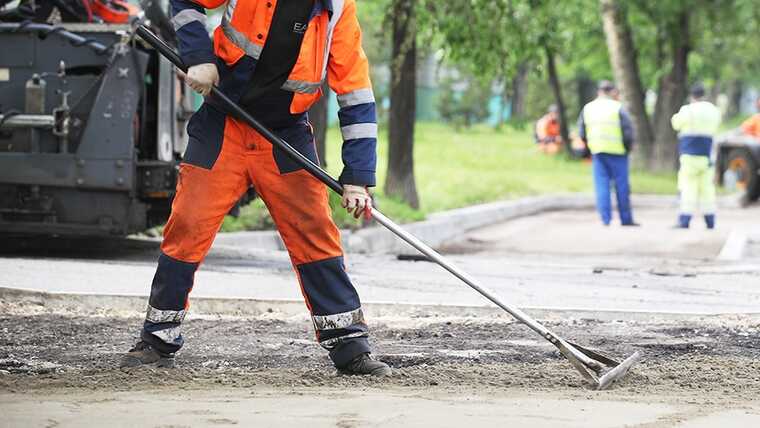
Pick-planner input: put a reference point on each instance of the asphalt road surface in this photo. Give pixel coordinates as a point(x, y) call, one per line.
point(556, 260)
point(57, 368)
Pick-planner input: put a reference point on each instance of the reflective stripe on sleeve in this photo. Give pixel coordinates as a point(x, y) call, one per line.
point(359, 96)
point(301, 86)
point(187, 16)
point(359, 130)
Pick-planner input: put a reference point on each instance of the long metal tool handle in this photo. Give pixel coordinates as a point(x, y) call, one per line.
point(333, 184)
point(459, 273)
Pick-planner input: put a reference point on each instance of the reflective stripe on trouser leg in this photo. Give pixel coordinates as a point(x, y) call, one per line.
point(168, 304)
point(336, 310)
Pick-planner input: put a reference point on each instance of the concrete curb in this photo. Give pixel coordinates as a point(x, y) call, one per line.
point(442, 227)
point(445, 226)
point(735, 246)
point(100, 304)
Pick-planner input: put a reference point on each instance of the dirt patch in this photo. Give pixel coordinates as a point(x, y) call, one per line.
point(59, 370)
point(59, 351)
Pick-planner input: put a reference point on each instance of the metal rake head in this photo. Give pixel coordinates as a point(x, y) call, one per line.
point(598, 369)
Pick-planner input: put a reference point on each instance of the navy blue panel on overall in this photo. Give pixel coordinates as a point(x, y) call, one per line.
point(301, 138)
point(699, 145)
point(326, 283)
point(205, 130)
point(172, 283)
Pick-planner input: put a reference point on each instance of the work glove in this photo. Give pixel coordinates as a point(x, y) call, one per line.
point(356, 199)
point(202, 77)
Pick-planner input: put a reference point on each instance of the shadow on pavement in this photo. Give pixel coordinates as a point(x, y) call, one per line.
point(100, 248)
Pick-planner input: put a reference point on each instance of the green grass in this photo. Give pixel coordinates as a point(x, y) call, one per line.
point(733, 123)
point(459, 168)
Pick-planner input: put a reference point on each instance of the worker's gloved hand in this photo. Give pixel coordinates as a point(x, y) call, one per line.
point(202, 77)
point(356, 199)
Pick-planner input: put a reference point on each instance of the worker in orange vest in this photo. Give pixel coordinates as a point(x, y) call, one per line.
point(751, 126)
point(548, 136)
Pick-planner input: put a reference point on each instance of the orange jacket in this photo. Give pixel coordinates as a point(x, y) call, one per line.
point(751, 126)
point(331, 49)
point(547, 129)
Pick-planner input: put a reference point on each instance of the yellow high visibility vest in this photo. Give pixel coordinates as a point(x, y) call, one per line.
point(698, 118)
point(603, 131)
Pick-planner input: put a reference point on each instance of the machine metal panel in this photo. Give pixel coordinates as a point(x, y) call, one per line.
point(56, 170)
point(20, 57)
point(111, 122)
point(106, 177)
point(166, 123)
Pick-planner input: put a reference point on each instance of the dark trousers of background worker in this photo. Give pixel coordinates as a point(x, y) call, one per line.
point(612, 168)
point(224, 158)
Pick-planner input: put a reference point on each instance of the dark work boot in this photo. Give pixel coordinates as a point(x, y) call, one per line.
point(710, 221)
point(142, 354)
point(365, 364)
point(683, 221)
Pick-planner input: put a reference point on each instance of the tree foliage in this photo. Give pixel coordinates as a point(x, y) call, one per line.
point(464, 107)
point(675, 43)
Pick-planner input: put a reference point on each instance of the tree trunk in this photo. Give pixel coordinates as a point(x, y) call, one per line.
point(671, 94)
point(318, 119)
point(715, 90)
point(399, 182)
point(735, 90)
point(519, 91)
point(556, 86)
point(586, 88)
point(623, 56)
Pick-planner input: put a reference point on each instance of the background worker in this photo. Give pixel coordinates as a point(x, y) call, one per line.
point(696, 123)
point(606, 129)
point(548, 136)
point(751, 126)
point(271, 57)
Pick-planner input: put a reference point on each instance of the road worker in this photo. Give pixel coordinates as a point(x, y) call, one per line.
point(270, 56)
point(696, 124)
point(547, 131)
point(751, 126)
point(606, 128)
